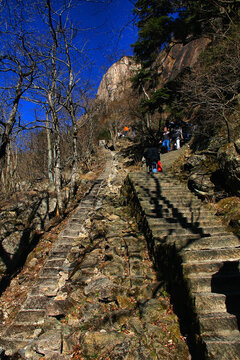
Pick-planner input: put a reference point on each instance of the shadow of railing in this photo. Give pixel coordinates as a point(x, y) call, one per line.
point(163, 206)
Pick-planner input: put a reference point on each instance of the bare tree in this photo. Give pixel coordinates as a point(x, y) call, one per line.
point(211, 91)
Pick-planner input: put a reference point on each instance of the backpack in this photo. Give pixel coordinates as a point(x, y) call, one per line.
point(159, 166)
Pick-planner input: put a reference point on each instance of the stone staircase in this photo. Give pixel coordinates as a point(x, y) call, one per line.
point(198, 258)
point(97, 295)
point(52, 278)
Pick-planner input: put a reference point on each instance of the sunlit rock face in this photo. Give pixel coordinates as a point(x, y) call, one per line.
point(180, 57)
point(117, 79)
point(170, 64)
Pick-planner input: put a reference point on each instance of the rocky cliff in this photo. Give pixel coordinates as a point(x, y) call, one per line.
point(180, 57)
point(117, 79)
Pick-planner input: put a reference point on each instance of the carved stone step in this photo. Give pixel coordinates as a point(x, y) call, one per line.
point(223, 347)
point(215, 242)
point(60, 248)
point(203, 243)
point(22, 332)
point(181, 204)
point(55, 263)
point(70, 233)
point(218, 283)
point(170, 228)
point(218, 324)
point(11, 346)
point(185, 217)
point(30, 317)
point(213, 254)
point(165, 195)
point(202, 267)
point(198, 212)
point(49, 273)
point(206, 303)
point(36, 303)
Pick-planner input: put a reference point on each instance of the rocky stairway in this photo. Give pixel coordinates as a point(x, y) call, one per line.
point(97, 295)
point(27, 325)
point(198, 258)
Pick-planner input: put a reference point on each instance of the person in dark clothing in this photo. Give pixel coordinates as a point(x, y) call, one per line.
point(152, 156)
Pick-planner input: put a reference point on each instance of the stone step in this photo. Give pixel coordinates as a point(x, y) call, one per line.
point(55, 263)
point(215, 242)
point(195, 211)
point(22, 332)
point(70, 233)
point(218, 324)
point(227, 254)
point(206, 303)
point(11, 346)
point(58, 255)
point(73, 226)
point(200, 222)
point(187, 216)
point(177, 227)
point(49, 273)
point(168, 235)
point(203, 267)
point(203, 242)
point(151, 183)
point(217, 283)
point(30, 317)
point(163, 195)
point(173, 201)
point(60, 248)
point(80, 214)
point(179, 204)
point(68, 240)
point(163, 188)
point(223, 347)
point(49, 287)
point(37, 302)
point(175, 240)
point(75, 220)
point(193, 214)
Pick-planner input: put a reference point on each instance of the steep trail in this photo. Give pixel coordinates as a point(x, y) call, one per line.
point(97, 294)
point(197, 257)
point(100, 292)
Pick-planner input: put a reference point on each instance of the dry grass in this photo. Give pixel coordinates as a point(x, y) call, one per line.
point(229, 210)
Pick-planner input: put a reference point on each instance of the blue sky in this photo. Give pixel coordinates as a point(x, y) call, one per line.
point(108, 32)
point(111, 32)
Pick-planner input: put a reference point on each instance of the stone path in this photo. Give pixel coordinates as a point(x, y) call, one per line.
point(97, 295)
point(198, 258)
point(52, 277)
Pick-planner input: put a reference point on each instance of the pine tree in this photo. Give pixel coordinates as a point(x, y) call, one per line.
point(162, 22)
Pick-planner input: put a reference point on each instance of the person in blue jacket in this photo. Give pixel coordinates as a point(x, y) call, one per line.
point(166, 139)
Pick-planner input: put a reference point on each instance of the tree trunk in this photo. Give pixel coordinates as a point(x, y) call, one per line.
point(50, 153)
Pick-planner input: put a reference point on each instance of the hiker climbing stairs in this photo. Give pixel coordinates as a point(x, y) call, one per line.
point(198, 258)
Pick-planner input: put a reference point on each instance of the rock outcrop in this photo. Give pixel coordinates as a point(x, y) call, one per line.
point(229, 160)
point(179, 58)
point(117, 79)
